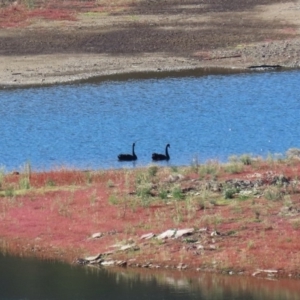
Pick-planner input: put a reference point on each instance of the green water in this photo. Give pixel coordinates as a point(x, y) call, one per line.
point(34, 279)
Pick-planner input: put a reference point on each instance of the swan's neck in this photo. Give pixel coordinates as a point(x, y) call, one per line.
point(167, 153)
point(133, 153)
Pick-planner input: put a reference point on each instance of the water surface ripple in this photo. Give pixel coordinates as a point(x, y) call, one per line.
point(208, 117)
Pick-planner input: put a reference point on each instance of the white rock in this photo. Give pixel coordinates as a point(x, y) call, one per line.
point(91, 258)
point(147, 236)
point(167, 234)
point(96, 235)
point(126, 247)
point(108, 263)
point(182, 232)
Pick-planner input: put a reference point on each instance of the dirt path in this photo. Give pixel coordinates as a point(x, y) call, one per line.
point(152, 36)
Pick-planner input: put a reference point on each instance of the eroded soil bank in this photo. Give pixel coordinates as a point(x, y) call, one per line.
point(242, 217)
point(52, 42)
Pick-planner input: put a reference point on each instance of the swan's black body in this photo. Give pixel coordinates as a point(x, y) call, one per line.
point(128, 157)
point(156, 156)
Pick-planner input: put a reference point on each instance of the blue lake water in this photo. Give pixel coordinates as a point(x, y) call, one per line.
point(202, 117)
point(30, 279)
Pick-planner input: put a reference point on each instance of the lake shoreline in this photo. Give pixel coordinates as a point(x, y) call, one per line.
point(19, 75)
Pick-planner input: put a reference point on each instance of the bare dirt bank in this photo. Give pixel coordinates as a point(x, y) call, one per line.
point(148, 36)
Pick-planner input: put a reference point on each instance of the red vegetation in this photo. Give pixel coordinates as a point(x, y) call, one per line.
point(20, 15)
point(57, 216)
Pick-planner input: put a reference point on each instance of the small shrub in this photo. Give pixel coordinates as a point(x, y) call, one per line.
point(231, 232)
point(273, 194)
point(30, 4)
point(178, 217)
point(251, 245)
point(112, 199)
point(234, 168)
point(257, 214)
point(213, 201)
point(296, 223)
point(2, 173)
point(246, 159)
point(293, 153)
point(195, 164)
point(243, 197)
point(24, 183)
point(144, 192)
point(152, 171)
point(50, 182)
point(233, 159)
point(209, 169)
point(141, 178)
point(110, 183)
point(93, 198)
point(177, 193)
point(174, 169)
point(89, 177)
point(9, 192)
point(273, 158)
point(163, 194)
point(229, 193)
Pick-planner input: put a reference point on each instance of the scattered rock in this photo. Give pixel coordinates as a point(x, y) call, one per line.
point(108, 263)
point(215, 233)
point(288, 211)
point(121, 263)
point(92, 258)
point(182, 266)
point(96, 235)
point(147, 236)
point(264, 271)
point(81, 261)
point(212, 247)
point(128, 246)
point(184, 232)
point(167, 234)
point(173, 178)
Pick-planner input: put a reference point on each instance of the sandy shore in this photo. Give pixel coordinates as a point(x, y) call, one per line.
point(21, 67)
point(62, 68)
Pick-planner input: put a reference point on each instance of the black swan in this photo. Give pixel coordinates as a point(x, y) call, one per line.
point(156, 156)
point(128, 157)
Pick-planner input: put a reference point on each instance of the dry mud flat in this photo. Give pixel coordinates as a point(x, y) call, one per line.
point(152, 36)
